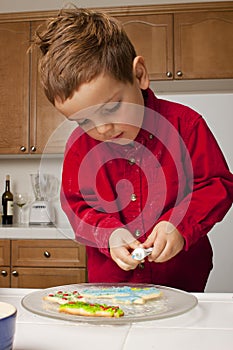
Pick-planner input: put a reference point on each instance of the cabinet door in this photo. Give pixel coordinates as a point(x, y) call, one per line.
point(14, 87)
point(203, 45)
point(26, 277)
point(5, 252)
point(4, 263)
point(48, 253)
point(152, 38)
point(47, 133)
point(5, 277)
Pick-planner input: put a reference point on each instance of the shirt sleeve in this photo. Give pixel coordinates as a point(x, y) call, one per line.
point(91, 224)
point(212, 186)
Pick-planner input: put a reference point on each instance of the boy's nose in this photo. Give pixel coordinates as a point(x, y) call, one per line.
point(103, 128)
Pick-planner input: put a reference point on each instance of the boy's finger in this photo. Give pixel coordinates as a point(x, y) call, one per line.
point(164, 256)
point(157, 250)
point(135, 244)
point(149, 242)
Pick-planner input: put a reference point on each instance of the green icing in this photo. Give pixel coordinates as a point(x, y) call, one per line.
point(119, 313)
point(93, 308)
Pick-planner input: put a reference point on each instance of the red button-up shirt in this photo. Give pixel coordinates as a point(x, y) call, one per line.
point(174, 171)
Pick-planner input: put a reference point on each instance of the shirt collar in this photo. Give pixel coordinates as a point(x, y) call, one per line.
point(147, 131)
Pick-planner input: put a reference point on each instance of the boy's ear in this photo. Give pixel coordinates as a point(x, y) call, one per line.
point(140, 72)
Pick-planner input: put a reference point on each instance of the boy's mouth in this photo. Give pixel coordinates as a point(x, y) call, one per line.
point(117, 136)
point(119, 139)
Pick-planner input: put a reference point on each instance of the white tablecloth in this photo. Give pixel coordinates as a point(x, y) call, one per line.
point(209, 326)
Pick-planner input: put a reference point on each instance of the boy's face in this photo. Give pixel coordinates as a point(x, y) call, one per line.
point(108, 110)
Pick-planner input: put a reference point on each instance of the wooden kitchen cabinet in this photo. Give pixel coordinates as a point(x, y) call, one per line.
point(203, 45)
point(43, 263)
point(28, 119)
point(5, 255)
point(152, 37)
point(14, 86)
point(197, 44)
point(48, 126)
point(26, 277)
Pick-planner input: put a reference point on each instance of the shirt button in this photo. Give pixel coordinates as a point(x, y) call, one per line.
point(141, 266)
point(151, 136)
point(137, 233)
point(133, 197)
point(132, 161)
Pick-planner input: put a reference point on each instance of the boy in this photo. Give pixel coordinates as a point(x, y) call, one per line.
point(138, 171)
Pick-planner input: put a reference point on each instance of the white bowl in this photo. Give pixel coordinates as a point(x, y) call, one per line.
point(7, 325)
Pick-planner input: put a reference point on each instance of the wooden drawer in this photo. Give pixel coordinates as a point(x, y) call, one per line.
point(4, 252)
point(48, 253)
point(5, 277)
point(26, 277)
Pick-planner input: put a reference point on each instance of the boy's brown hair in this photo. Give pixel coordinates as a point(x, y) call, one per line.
point(78, 45)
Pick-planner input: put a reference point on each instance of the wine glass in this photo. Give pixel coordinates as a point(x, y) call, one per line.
point(21, 199)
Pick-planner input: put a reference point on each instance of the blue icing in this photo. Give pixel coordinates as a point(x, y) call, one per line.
point(146, 291)
point(122, 291)
point(126, 298)
point(106, 291)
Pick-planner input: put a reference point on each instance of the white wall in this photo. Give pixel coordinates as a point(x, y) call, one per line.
point(216, 107)
point(217, 110)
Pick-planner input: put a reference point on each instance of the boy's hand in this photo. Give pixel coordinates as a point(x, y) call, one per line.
point(166, 242)
point(121, 244)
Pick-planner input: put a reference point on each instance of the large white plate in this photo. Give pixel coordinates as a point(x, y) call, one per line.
point(172, 303)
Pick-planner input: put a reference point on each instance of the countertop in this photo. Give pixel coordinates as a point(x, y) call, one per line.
point(209, 325)
point(35, 232)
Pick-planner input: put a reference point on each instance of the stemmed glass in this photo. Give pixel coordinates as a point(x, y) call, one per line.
point(21, 199)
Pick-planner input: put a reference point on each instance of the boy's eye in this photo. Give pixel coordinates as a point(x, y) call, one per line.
point(114, 107)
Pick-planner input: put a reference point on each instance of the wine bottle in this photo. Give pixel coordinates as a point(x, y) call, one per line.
point(7, 204)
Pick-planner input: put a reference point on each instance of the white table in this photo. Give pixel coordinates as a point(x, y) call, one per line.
point(209, 326)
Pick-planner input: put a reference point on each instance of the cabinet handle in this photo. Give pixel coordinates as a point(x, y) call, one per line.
point(22, 148)
point(47, 254)
point(169, 74)
point(4, 273)
point(15, 273)
point(33, 149)
point(179, 73)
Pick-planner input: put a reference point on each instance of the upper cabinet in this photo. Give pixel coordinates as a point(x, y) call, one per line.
point(14, 86)
point(49, 129)
point(203, 45)
point(185, 41)
point(152, 36)
point(28, 121)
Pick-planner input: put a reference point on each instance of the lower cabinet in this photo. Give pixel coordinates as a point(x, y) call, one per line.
point(5, 261)
point(41, 263)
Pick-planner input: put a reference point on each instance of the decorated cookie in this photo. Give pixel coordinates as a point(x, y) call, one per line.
point(62, 297)
point(125, 294)
point(88, 309)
